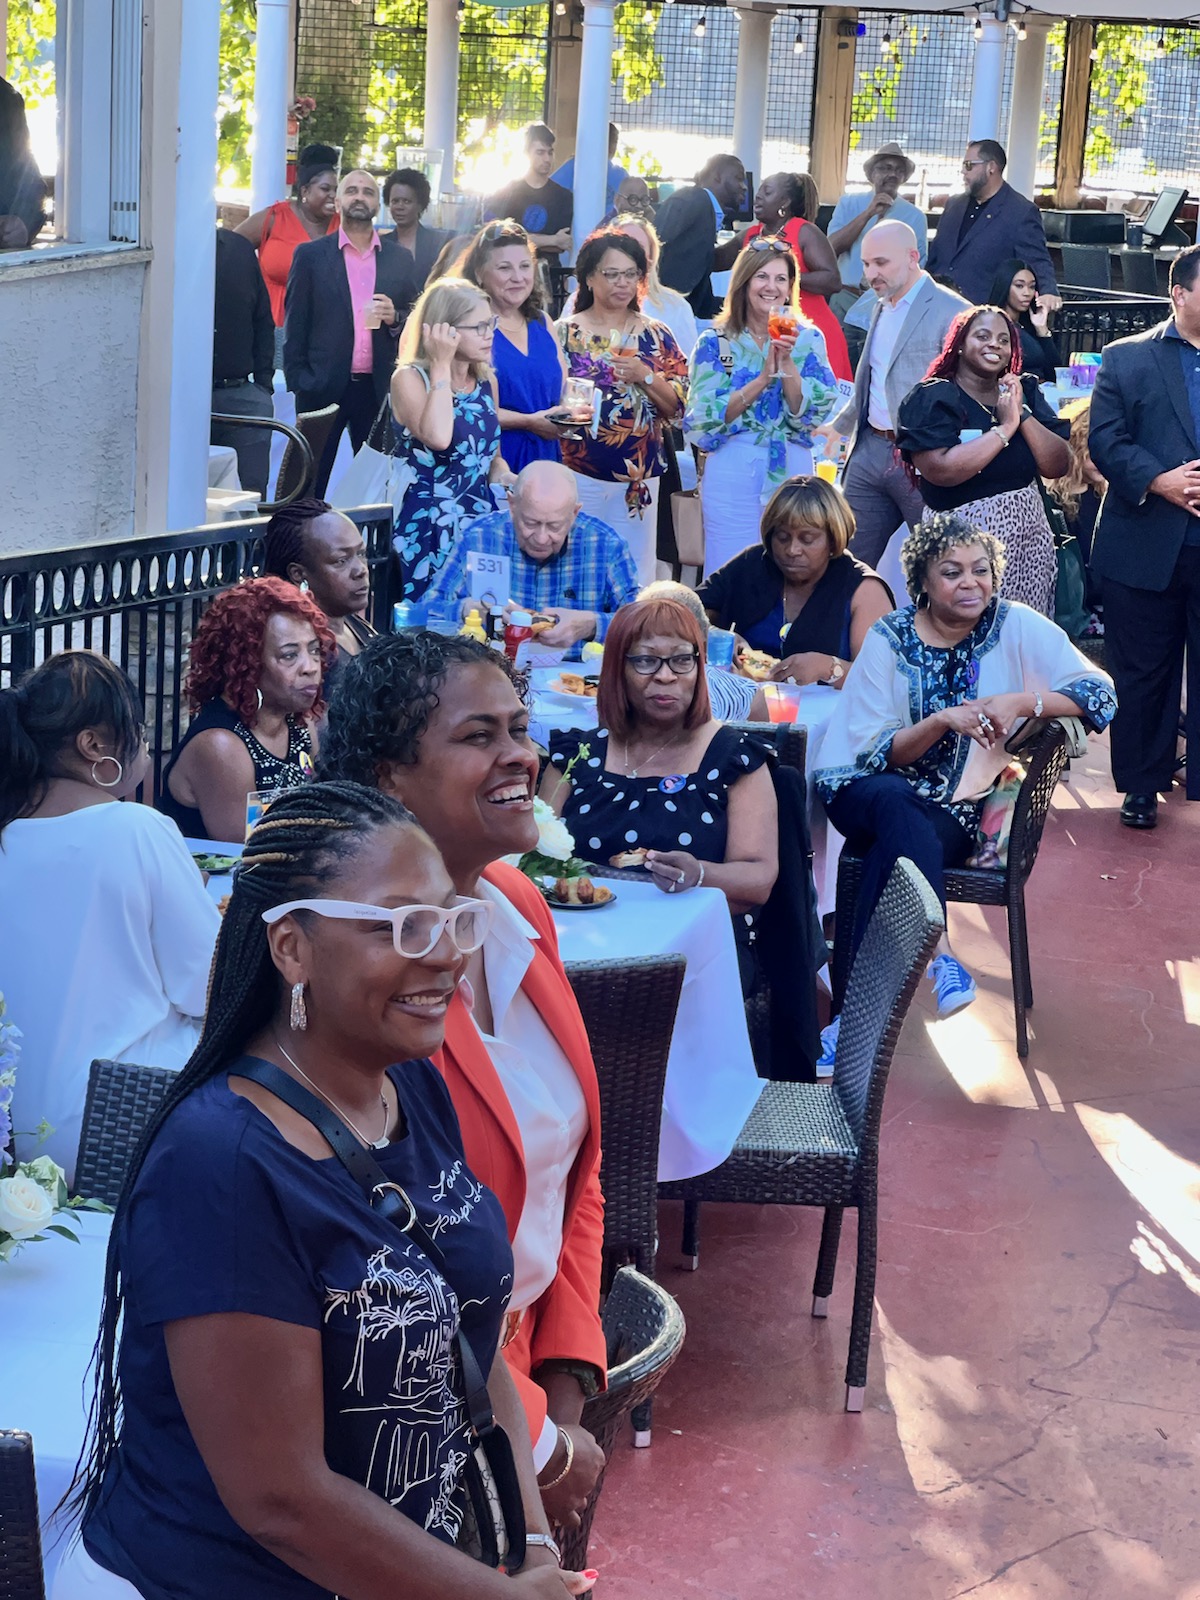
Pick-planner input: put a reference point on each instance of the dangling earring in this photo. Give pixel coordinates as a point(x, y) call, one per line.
point(258, 692)
point(299, 1016)
point(112, 784)
point(304, 586)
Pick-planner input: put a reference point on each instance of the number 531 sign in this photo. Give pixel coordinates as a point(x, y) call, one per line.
point(488, 578)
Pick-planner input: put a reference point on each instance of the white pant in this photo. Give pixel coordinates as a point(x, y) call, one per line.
point(80, 1578)
point(606, 501)
point(733, 492)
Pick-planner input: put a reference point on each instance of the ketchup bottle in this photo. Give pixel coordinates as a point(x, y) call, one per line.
point(518, 631)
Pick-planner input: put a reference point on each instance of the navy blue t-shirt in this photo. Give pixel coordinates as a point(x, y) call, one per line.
point(227, 1216)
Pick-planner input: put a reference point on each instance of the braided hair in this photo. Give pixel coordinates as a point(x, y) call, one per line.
point(283, 541)
point(294, 853)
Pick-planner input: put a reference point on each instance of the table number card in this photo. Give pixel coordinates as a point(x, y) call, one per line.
point(488, 578)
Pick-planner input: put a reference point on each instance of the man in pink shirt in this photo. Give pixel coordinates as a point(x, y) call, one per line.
point(347, 297)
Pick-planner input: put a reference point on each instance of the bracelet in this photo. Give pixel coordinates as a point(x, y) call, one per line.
point(699, 881)
point(545, 1541)
point(1037, 702)
point(1005, 441)
point(570, 1445)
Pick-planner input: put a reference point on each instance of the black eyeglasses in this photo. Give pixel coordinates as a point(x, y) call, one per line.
point(680, 665)
point(764, 241)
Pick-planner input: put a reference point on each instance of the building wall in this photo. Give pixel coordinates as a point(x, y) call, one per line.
point(69, 340)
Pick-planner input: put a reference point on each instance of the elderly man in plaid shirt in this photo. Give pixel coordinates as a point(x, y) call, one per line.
point(562, 563)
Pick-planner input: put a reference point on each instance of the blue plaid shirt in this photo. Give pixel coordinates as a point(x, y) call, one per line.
point(593, 571)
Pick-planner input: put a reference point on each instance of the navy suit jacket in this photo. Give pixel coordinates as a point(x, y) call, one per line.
point(318, 329)
point(1140, 425)
point(1009, 227)
point(687, 225)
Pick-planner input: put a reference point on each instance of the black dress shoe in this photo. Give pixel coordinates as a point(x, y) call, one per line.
point(1140, 811)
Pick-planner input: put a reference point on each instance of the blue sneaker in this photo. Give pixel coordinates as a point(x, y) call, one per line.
point(829, 1039)
point(952, 984)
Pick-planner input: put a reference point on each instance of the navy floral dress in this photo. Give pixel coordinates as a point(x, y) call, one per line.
point(450, 487)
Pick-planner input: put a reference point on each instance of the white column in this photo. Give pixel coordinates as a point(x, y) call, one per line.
point(272, 52)
point(84, 105)
point(441, 84)
point(750, 93)
point(591, 129)
point(987, 81)
point(1025, 114)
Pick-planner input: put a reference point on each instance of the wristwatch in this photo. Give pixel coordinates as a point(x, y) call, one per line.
point(836, 672)
point(1037, 702)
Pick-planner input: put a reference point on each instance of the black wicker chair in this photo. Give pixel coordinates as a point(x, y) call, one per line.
point(629, 1011)
point(644, 1330)
point(807, 1144)
point(21, 1575)
point(1045, 757)
point(121, 1100)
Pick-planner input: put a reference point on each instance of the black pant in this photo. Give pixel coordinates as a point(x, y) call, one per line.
point(357, 410)
point(253, 445)
point(883, 818)
point(1145, 633)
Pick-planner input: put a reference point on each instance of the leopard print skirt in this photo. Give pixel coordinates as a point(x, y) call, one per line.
point(1018, 520)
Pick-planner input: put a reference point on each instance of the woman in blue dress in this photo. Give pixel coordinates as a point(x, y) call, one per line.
point(529, 366)
point(447, 428)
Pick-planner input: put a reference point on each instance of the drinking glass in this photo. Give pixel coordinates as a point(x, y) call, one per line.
point(827, 468)
point(781, 325)
point(579, 399)
point(783, 701)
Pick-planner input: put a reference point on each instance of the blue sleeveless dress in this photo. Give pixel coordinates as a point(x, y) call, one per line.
point(528, 383)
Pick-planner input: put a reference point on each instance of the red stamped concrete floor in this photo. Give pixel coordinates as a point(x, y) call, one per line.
point(1032, 1422)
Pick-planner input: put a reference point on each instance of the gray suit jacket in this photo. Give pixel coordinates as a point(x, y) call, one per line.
point(922, 335)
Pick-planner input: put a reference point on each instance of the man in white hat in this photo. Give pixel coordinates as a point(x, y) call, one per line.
point(857, 212)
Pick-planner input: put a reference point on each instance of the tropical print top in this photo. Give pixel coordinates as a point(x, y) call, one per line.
point(723, 362)
point(625, 441)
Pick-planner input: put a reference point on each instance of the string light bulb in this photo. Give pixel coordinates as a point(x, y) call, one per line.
point(701, 27)
point(1094, 53)
point(798, 45)
point(560, 10)
point(978, 29)
point(1021, 34)
point(648, 17)
point(885, 44)
point(1160, 49)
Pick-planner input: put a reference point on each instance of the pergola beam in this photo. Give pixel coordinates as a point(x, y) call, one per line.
point(833, 98)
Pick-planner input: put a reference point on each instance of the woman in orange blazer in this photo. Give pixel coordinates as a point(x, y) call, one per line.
point(438, 722)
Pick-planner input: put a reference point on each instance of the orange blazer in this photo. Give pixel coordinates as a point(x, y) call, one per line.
point(565, 1323)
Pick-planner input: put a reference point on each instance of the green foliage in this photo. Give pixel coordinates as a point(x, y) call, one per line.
point(637, 65)
point(1120, 84)
point(30, 49)
point(1056, 56)
point(876, 95)
point(235, 90)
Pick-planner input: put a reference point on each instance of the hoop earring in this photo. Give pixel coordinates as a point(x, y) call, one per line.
point(99, 782)
point(299, 1016)
point(258, 692)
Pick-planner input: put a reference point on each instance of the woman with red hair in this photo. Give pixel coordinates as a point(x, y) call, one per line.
point(661, 781)
point(253, 686)
point(978, 434)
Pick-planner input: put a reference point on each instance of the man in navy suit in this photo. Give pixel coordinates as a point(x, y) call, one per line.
point(347, 297)
point(687, 224)
point(1145, 439)
point(987, 225)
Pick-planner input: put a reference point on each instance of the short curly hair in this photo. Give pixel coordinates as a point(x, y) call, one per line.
point(226, 654)
point(930, 540)
point(386, 694)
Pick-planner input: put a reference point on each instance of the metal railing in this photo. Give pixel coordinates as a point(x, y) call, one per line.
point(138, 601)
point(1091, 318)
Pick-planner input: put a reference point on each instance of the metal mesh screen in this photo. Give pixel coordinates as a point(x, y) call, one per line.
point(1143, 107)
point(1051, 104)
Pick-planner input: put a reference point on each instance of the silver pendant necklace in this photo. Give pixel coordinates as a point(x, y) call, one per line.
point(372, 1144)
point(632, 772)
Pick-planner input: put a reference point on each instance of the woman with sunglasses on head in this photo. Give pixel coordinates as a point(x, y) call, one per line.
point(640, 375)
point(528, 363)
point(440, 723)
point(444, 408)
point(759, 384)
point(306, 1277)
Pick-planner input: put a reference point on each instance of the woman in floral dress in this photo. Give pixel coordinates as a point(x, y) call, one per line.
point(640, 375)
point(447, 428)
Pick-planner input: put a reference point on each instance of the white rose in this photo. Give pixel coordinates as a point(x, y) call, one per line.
point(554, 837)
point(25, 1207)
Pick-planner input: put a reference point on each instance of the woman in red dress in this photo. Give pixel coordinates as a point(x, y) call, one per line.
point(276, 230)
point(785, 205)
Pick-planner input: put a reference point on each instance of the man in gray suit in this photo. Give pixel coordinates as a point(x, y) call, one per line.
point(908, 328)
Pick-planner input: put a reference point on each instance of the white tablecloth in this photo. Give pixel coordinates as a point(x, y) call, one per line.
point(50, 1298)
point(223, 467)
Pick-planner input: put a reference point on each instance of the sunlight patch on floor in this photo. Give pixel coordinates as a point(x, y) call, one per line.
point(1163, 1183)
point(986, 1069)
point(1187, 976)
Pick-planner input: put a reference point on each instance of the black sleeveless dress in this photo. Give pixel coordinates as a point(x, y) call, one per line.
point(270, 771)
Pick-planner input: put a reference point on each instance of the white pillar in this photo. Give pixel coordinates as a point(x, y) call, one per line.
point(441, 84)
point(750, 93)
point(1025, 114)
point(987, 81)
point(272, 52)
point(591, 129)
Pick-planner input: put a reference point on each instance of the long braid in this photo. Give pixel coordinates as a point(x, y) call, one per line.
point(283, 541)
point(293, 853)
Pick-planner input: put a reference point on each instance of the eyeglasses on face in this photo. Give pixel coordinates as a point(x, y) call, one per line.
point(479, 329)
point(680, 665)
point(620, 274)
point(967, 165)
point(415, 929)
point(779, 247)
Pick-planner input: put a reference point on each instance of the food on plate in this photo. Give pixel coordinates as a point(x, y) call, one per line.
point(576, 683)
point(756, 664)
point(581, 891)
point(629, 858)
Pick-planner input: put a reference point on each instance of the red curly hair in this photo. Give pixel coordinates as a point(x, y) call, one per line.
point(632, 623)
point(945, 363)
point(226, 654)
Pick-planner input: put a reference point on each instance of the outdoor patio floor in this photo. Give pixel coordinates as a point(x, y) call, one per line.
point(1032, 1423)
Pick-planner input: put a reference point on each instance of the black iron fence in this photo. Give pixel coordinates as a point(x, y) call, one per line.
point(1091, 318)
point(138, 602)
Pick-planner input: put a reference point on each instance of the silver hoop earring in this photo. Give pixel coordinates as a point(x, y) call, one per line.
point(112, 784)
point(299, 1016)
point(258, 692)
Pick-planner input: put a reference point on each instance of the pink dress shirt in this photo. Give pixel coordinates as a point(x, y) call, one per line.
point(360, 274)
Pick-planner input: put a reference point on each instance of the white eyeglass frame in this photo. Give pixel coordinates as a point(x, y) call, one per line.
point(353, 911)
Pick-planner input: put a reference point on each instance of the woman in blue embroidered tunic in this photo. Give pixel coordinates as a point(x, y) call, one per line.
point(754, 398)
point(290, 1419)
point(917, 741)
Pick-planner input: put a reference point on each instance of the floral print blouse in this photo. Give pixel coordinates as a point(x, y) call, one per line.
point(625, 441)
point(723, 362)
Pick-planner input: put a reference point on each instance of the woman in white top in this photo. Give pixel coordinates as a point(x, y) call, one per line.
point(107, 933)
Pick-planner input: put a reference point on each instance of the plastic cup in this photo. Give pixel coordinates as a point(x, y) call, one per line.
point(827, 468)
point(371, 317)
point(719, 652)
point(783, 701)
point(1062, 377)
point(257, 801)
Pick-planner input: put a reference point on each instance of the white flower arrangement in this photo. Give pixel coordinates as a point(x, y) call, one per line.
point(32, 1193)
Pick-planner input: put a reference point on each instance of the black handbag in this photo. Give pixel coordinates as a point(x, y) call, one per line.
point(499, 1521)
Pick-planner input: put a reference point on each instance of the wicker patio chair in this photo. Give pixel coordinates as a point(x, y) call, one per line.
point(1045, 757)
point(644, 1330)
point(121, 1100)
point(813, 1144)
point(629, 1011)
point(21, 1575)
